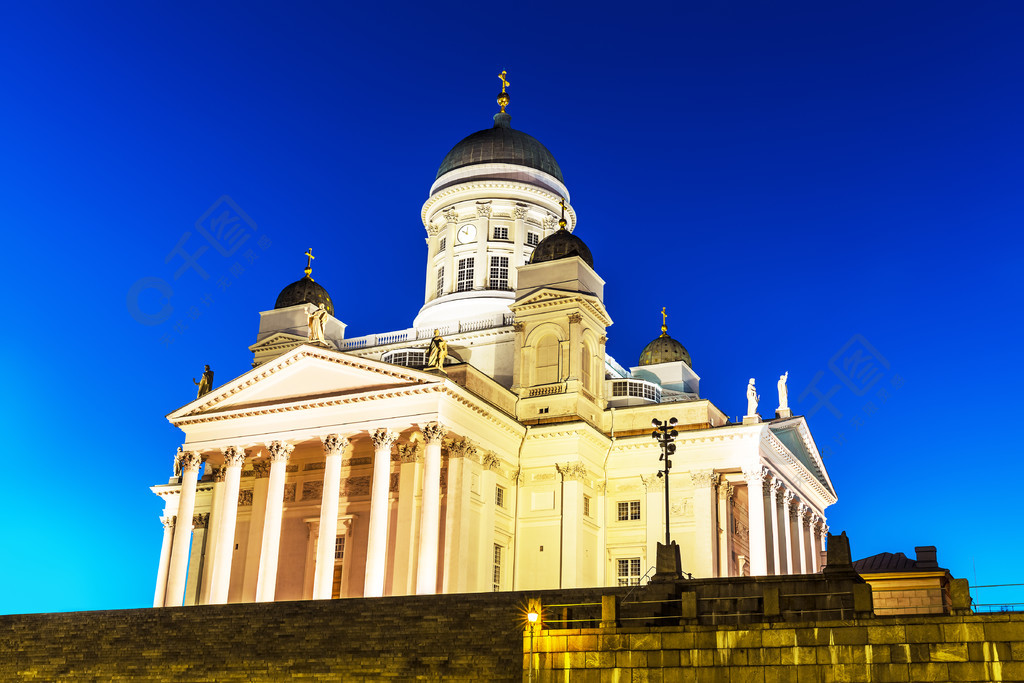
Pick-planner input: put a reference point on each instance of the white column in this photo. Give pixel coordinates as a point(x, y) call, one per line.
point(705, 560)
point(601, 489)
point(197, 558)
point(457, 508)
point(312, 537)
point(266, 583)
point(572, 511)
point(377, 541)
point(212, 532)
point(519, 239)
point(224, 546)
point(483, 234)
point(816, 524)
point(756, 520)
point(802, 537)
point(488, 484)
point(773, 498)
point(165, 557)
point(654, 519)
point(787, 531)
point(410, 475)
point(725, 493)
point(430, 521)
point(323, 578)
point(189, 462)
point(824, 542)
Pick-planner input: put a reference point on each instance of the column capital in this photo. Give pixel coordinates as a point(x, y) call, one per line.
point(168, 522)
point(234, 456)
point(483, 210)
point(787, 498)
point(492, 462)
point(805, 514)
point(776, 487)
point(518, 327)
point(725, 491)
point(334, 444)
point(571, 471)
point(200, 521)
point(434, 432)
point(383, 438)
point(219, 473)
point(575, 318)
point(280, 451)
point(451, 215)
point(653, 482)
point(518, 476)
point(704, 478)
point(756, 475)
point(187, 460)
point(461, 448)
point(410, 452)
point(520, 211)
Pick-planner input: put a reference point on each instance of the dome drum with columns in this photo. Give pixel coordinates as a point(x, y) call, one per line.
point(442, 457)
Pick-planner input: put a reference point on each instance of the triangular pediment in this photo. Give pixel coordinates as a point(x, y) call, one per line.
point(306, 373)
point(277, 340)
point(795, 436)
point(551, 296)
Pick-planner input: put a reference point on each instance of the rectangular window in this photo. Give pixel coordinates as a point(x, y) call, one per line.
point(499, 272)
point(532, 239)
point(440, 281)
point(499, 496)
point(629, 510)
point(628, 571)
point(586, 506)
point(465, 277)
point(441, 244)
point(501, 232)
point(496, 576)
point(339, 549)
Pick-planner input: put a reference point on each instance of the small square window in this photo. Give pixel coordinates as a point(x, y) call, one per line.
point(586, 506)
point(339, 548)
point(629, 510)
point(501, 232)
point(628, 571)
point(499, 496)
point(441, 244)
point(532, 239)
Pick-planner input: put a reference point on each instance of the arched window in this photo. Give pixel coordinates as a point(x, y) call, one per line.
point(547, 359)
point(586, 366)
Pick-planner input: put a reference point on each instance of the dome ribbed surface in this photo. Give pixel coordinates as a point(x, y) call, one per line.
point(501, 145)
point(559, 245)
point(304, 291)
point(664, 349)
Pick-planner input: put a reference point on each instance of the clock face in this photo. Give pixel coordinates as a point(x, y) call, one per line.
point(467, 233)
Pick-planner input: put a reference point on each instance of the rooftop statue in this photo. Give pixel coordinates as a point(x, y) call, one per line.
point(783, 391)
point(205, 384)
point(752, 399)
point(317, 320)
point(437, 352)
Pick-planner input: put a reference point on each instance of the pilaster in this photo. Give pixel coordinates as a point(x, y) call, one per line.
point(705, 560)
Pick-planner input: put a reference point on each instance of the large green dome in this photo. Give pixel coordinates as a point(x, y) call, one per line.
point(501, 144)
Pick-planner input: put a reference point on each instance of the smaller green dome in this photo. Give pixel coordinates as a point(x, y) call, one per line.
point(304, 291)
point(559, 245)
point(664, 349)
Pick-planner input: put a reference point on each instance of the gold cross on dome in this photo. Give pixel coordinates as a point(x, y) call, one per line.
point(664, 321)
point(504, 83)
point(309, 261)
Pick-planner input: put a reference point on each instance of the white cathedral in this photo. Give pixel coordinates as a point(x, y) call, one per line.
point(342, 467)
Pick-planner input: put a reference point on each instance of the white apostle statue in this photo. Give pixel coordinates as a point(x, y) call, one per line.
point(783, 391)
point(317, 320)
point(752, 399)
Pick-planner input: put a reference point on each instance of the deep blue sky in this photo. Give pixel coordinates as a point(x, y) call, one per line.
point(784, 179)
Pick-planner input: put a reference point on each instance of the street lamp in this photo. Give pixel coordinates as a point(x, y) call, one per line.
point(665, 434)
point(532, 616)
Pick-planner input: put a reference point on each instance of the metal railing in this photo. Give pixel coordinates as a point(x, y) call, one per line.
point(994, 594)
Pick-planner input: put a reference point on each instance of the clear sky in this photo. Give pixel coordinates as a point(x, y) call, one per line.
point(795, 182)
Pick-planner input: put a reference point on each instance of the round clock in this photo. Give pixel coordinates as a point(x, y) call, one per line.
point(467, 233)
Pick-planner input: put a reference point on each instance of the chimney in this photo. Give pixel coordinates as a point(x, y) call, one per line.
point(926, 557)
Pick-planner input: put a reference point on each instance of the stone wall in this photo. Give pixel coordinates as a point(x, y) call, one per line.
point(986, 647)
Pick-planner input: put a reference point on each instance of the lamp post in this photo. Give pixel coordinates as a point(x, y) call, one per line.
point(532, 617)
point(665, 434)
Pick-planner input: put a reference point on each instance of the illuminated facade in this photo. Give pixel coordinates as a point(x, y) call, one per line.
point(344, 468)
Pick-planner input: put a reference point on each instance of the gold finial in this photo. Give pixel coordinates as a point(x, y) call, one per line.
point(503, 96)
point(561, 221)
point(309, 262)
point(664, 320)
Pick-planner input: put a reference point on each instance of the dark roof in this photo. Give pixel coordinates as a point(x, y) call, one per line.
point(664, 349)
point(561, 244)
point(501, 144)
point(304, 291)
point(897, 562)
